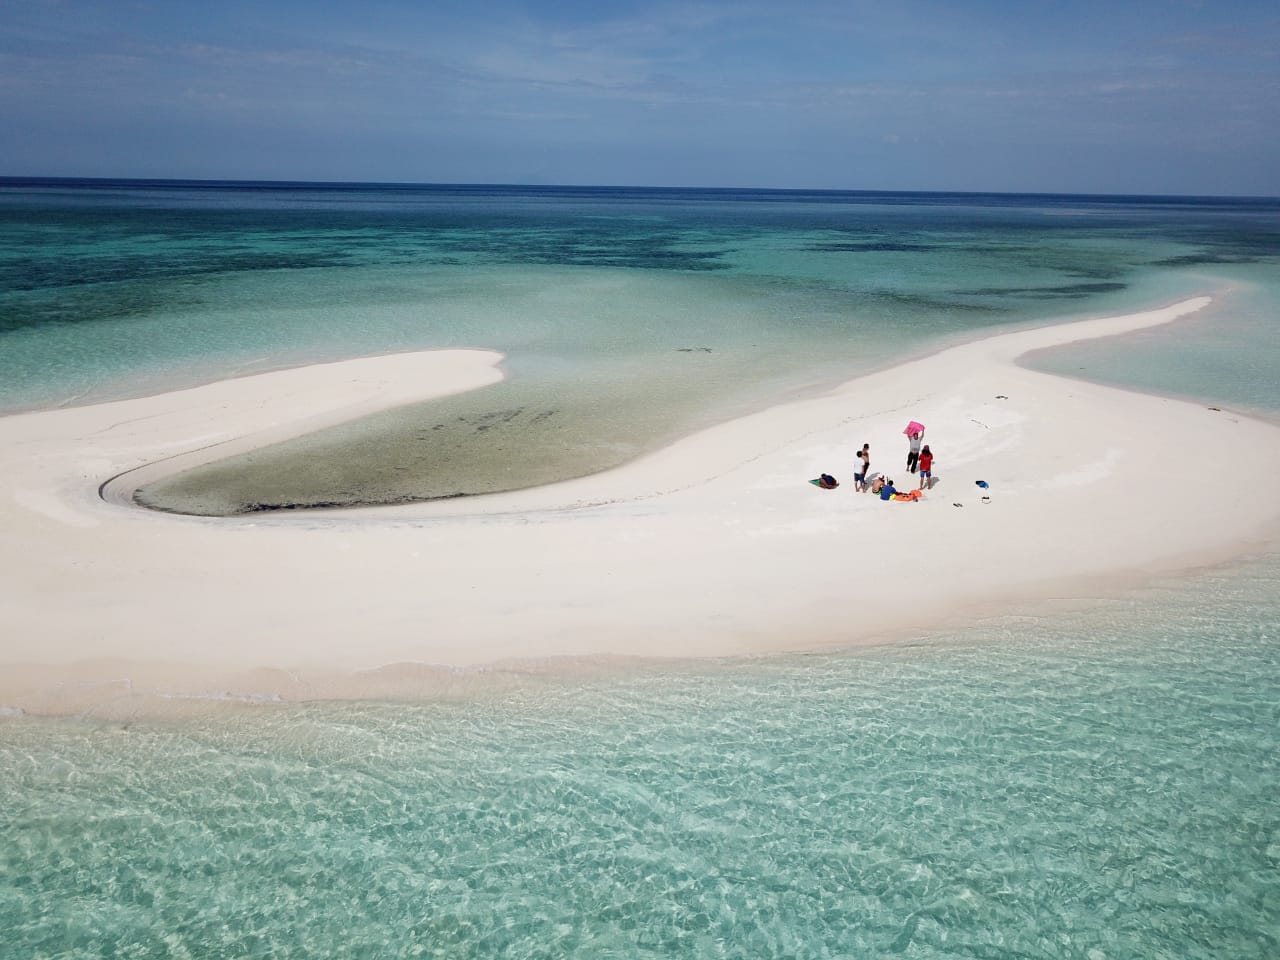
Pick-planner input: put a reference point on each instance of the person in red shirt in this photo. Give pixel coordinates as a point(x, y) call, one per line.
point(926, 468)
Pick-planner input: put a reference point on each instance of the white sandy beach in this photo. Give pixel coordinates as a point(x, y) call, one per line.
point(714, 546)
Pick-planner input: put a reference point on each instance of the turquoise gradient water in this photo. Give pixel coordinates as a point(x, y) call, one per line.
point(629, 317)
point(1096, 784)
point(1087, 779)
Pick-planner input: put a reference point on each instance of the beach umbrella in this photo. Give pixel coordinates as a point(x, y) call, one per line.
point(915, 426)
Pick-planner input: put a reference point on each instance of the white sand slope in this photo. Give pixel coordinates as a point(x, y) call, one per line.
point(717, 545)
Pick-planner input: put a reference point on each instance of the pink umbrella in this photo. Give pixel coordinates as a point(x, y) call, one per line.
point(915, 426)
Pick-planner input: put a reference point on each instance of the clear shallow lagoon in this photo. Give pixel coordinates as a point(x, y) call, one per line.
point(1098, 782)
point(1103, 783)
point(629, 317)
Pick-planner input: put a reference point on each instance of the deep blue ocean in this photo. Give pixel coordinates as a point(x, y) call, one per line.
point(1098, 782)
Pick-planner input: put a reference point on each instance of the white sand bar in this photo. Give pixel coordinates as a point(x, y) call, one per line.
point(714, 546)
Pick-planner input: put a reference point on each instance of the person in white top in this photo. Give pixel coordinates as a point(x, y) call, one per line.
point(913, 452)
point(862, 469)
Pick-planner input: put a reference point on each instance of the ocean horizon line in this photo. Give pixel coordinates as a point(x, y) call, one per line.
point(688, 192)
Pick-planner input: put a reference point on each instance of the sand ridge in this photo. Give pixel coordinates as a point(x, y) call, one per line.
point(714, 546)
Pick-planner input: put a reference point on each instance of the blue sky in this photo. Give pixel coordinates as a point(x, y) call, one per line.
point(1149, 96)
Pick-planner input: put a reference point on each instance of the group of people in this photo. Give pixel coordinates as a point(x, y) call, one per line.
point(919, 456)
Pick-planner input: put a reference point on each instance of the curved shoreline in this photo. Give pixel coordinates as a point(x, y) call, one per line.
point(300, 400)
point(714, 546)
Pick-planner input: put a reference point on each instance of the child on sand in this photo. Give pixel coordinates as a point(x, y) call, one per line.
point(926, 468)
point(862, 468)
point(888, 491)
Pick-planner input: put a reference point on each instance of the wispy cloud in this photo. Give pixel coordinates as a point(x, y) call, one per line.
point(785, 90)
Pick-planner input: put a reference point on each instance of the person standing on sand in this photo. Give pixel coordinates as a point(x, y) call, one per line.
point(926, 468)
point(913, 450)
point(864, 458)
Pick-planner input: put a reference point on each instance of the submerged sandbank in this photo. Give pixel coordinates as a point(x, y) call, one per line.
point(714, 546)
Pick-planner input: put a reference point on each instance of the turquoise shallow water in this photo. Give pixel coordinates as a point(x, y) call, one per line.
point(1095, 784)
point(628, 317)
point(1094, 781)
